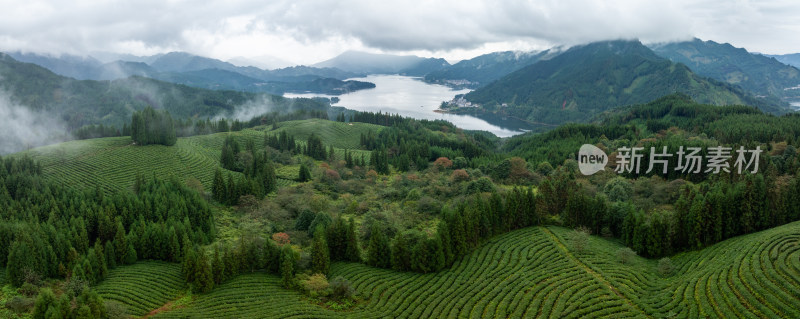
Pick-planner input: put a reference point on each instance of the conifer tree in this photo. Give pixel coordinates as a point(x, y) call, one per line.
point(353, 252)
point(204, 279)
point(379, 252)
point(443, 232)
point(287, 267)
point(218, 187)
point(320, 258)
point(305, 173)
point(401, 253)
point(218, 268)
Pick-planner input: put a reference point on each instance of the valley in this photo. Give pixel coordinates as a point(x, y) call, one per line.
point(399, 160)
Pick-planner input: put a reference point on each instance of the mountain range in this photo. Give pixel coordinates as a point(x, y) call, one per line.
point(484, 69)
point(762, 75)
point(552, 86)
point(371, 63)
point(756, 73)
point(201, 72)
point(790, 59)
point(111, 102)
point(589, 79)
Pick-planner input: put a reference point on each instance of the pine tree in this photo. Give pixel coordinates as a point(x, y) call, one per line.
point(305, 173)
point(320, 258)
point(379, 252)
point(287, 267)
point(218, 187)
point(20, 257)
point(44, 302)
point(130, 255)
point(100, 259)
point(331, 154)
point(443, 232)
point(353, 252)
point(111, 258)
point(218, 268)
point(204, 279)
point(401, 253)
point(120, 244)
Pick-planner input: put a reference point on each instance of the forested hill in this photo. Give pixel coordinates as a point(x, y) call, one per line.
point(484, 69)
point(737, 124)
point(80, 103)
point(589, 79)
point(721, 61)
point(200, 72)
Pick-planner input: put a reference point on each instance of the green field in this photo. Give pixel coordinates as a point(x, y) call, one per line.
point(144, 286)
point(340, 135)
point(533, 272)
point(112, 163)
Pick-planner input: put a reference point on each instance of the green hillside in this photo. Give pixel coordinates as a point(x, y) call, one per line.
point(112, 163)
point(86, 102)
point(338, 134)
point(530, 273)
point(484, 69)
point(590, 79)
point(723, 62)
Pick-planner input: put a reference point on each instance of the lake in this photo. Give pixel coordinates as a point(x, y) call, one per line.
point(795, 105)
point(411, 97)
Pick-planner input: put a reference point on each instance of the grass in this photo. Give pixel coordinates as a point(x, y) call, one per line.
point(112, 163)
point(534, 272)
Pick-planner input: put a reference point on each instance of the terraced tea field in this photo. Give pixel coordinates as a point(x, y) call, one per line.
point(340, 135)
point(144, 286)
point(533, 272)
point(254, 295)
point(112, 163)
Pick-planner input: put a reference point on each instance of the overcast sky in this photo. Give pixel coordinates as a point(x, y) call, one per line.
point(305, 32)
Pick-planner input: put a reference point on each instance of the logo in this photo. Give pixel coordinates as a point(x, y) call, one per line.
point(687, 160)
point(591, 159)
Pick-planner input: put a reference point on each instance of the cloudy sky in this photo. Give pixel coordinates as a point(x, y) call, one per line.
point(305, 32)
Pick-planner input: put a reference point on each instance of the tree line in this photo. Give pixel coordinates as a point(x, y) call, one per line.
point(51, 231)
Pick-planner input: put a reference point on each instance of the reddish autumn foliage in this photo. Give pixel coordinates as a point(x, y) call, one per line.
point(281, 238)
point(443, 162)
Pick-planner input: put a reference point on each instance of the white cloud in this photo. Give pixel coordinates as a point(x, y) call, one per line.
point(310, 31)
point(22, 128)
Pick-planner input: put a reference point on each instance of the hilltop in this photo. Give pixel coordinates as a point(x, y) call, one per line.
point(589, 79)
point(484, 69)
point(723, 62)
point(371, 63)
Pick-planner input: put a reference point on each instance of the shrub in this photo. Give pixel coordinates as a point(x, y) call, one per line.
point(665, 267)
point(115, 310)
point(443, 162)
point(618, 189)
point(579, 239)
point(316, 285)
point(20, 304)
point(28, 290)
point(341, 288)
point(281, 238)
point(459, 175)
point(625, 255)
